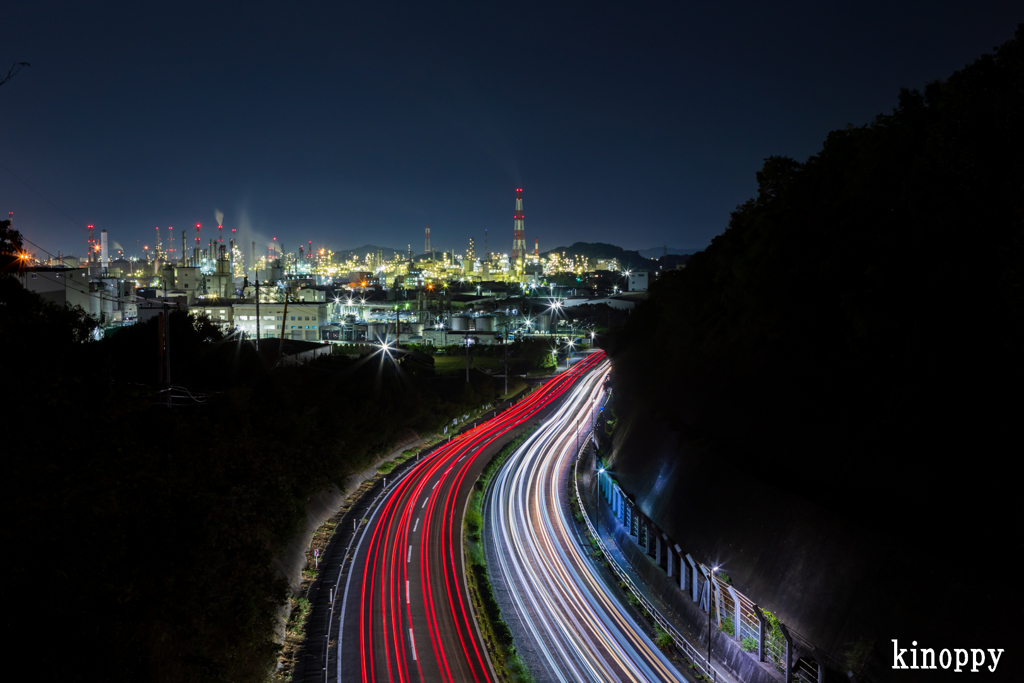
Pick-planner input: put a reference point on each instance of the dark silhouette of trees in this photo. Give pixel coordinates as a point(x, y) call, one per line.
point(865, 311)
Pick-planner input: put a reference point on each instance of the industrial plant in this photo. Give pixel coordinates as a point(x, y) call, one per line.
point(437, 298)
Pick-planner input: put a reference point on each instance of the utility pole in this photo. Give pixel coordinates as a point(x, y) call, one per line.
point(284, 317)
point(465, 340)
point(167, 351)
point(160, 349)
point(505, 344)
point(257, 309)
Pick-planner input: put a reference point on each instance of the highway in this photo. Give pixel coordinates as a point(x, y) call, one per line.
point(405, 614)
point(579, 629)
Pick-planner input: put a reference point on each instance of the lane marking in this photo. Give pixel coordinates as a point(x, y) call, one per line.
point(424, 502)
point(413, 641)
point(409, 559)
point(417, 525)
point(407, 591)
point(435, 485)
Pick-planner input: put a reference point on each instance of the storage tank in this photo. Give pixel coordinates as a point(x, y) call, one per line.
point(543, 323)
point(460, 323)
point(372, 331)
point(485, 323)
point(416, 329)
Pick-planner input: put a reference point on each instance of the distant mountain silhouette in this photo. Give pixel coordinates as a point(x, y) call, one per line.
point(600, 250)
point(388, 252)
point(657, 252)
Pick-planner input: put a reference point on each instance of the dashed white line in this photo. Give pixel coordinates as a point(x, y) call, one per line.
point(407, 591)
point(424, 502)
point(413, 641)
point(417, 526)
point(435, 484)
point(409, 559)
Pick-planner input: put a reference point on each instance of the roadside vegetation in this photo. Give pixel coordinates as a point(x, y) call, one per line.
point(496, 633)
point(155, 530)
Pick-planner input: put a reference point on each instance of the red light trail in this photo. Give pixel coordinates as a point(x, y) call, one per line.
point(401, 602)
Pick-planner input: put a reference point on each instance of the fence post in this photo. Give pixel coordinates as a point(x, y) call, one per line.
point(760, 633)
point(819, 657)
point(737, 614)
point(789, 652)
point(693, 578)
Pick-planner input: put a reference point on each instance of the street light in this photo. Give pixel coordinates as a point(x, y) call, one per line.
point(599, 497)
point(711, 582)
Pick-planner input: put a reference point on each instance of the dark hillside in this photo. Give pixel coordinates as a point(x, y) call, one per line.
point(832, 349)
point(144, 536)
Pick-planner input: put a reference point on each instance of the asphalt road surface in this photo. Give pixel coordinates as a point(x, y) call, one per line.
point(578, 627)
point(405, 612)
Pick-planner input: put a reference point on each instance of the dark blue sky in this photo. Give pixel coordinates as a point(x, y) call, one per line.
point(348, 123)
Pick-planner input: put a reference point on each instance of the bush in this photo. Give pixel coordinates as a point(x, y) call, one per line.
point(474, 520)
point(386, 467)
point(727, 627)
point(749, 644)
point(662, 638)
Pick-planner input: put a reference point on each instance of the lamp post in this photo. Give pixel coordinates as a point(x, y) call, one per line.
point(599, 497)
point(711, 581)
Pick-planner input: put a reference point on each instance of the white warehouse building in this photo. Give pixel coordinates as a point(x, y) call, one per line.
point(305, 321)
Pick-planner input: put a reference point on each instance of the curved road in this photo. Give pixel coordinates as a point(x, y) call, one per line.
point(405, 614)
point(580, 630)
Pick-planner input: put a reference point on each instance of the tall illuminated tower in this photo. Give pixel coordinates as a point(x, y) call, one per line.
point(519, 232)
point(426, 243)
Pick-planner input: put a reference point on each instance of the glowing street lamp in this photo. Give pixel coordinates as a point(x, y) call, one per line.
point(711, 586)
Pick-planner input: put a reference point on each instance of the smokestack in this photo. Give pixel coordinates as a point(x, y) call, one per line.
point(184, 248)
point(518, 231)
point(103, 248)
point(254, 255)
point(92, 246)
point(536, 247)
point(426, 244)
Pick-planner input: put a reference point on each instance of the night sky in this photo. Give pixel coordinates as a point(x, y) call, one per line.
point(348, 123)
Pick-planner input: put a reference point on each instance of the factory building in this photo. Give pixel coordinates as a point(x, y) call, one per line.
point(303, 321)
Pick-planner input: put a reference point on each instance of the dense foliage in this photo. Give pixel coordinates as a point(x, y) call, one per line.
point(864, 313)
point(144, 536)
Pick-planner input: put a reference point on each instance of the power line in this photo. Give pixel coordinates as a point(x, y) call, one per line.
point(43, 197)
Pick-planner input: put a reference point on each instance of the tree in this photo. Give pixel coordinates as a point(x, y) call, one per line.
point(10, 248)
point(13, 71)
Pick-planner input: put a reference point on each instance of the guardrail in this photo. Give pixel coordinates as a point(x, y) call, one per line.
point(687, 648)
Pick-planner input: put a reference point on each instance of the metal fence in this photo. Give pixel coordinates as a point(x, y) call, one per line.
point(723, 601)
point(688, 649)
point(749, 626)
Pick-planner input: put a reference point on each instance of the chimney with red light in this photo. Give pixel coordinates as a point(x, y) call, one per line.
point(518, 231)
